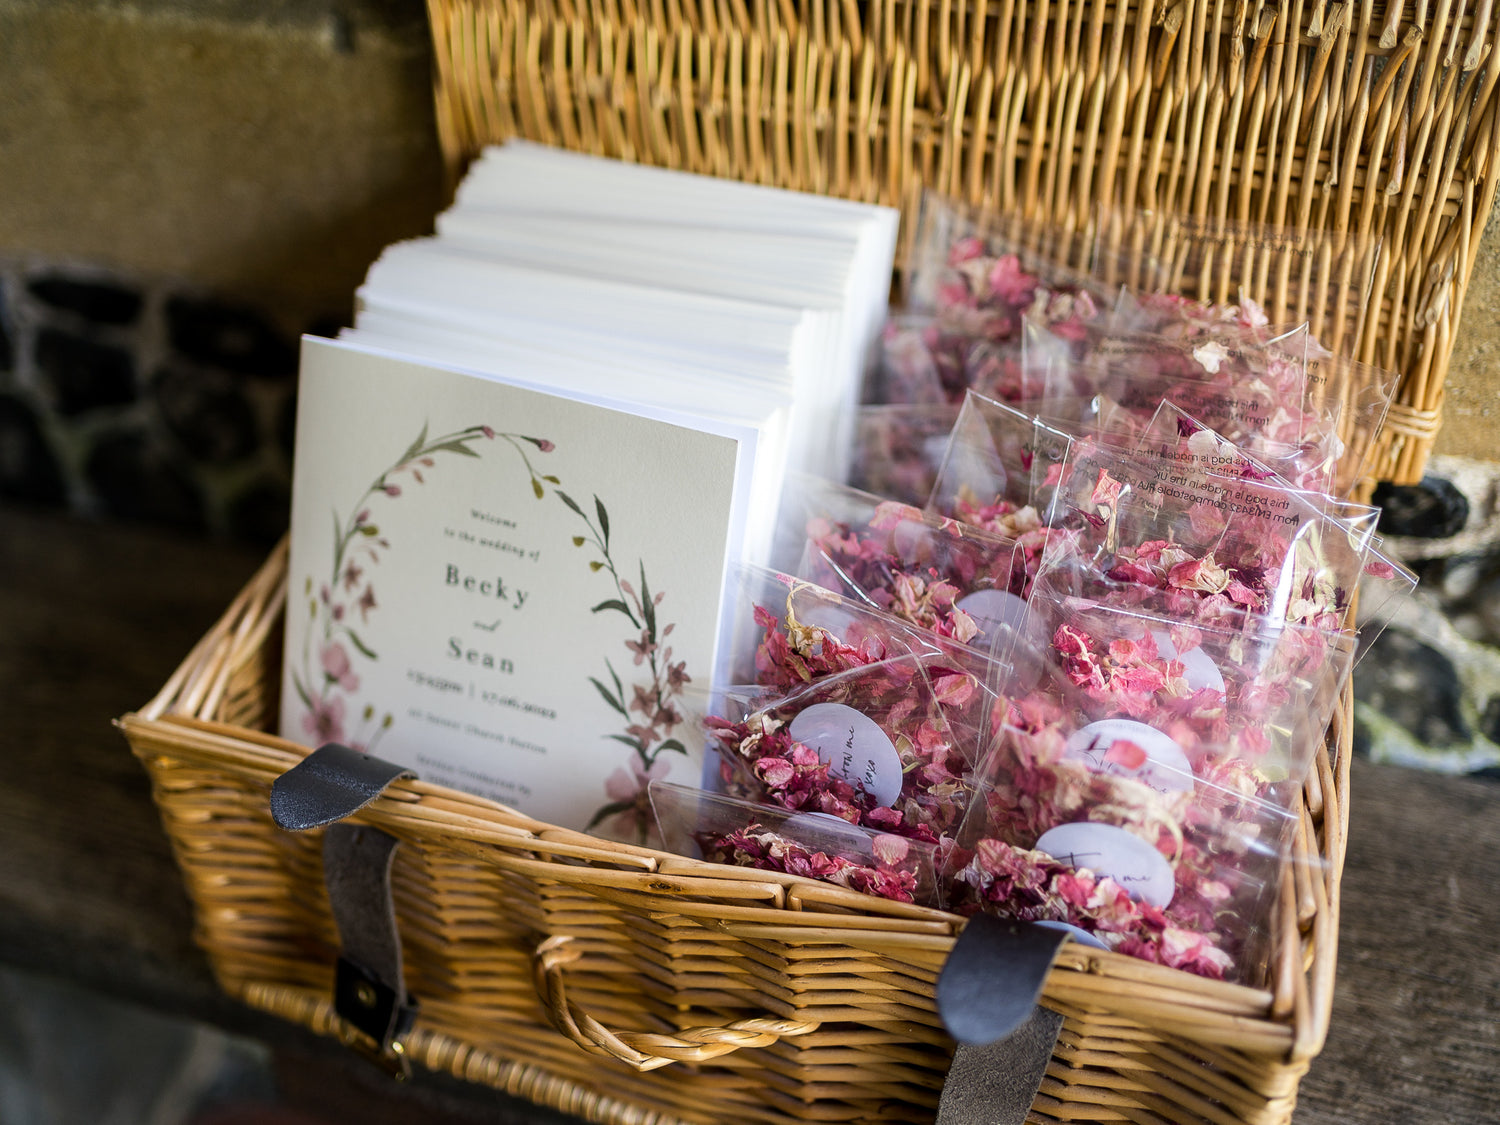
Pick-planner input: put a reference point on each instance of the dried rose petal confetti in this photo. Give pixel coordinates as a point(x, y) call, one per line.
point(759, 847)
point(761, 761)
point(912, 566)
point(1034, 887)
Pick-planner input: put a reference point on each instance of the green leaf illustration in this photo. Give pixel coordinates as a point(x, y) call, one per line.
point(416, 446)
point(648, 608)
point(302, 691)
point(613, 603)
point(603, 520)
point(611, 700)
point(614, 808)
point(670, 744)
point(359, 644)
point(454, 447)
point(633, 743)
point(619, 687)
point(568, 500)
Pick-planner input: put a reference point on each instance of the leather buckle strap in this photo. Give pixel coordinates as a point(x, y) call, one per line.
point(369, 991)
point(987, 997)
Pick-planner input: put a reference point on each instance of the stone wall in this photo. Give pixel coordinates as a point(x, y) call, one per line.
point(188, 186)
point(265, 150)
point(1428, 692)
point(1471, 411)
point(141, 400)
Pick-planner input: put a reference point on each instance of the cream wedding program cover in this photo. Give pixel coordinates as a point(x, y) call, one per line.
point(514, 593)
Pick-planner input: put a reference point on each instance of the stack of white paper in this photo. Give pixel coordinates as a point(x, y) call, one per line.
point(745, 309)
point(552, 427)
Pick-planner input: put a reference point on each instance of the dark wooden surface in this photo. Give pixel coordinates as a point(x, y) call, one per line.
point(94, 618)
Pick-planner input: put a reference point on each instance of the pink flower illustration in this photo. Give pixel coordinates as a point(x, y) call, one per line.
point(666, 718)
point(631, 789)
point(335, 661)
point(645, 699)
point(642, 648)
point(627, 785)
point(324, 679)
point(644, 734)
point(650, 737)
point(325, 722)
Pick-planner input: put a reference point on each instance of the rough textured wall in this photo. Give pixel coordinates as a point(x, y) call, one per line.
point(263, 149)
point(185, 187)
point(1471, 412)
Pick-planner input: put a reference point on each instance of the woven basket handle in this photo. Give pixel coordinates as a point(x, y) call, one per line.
point(642, 1050)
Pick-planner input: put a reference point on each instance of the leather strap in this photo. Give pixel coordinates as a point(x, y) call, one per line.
point(369, 986)
point(987, 997)
point(995, 1084)
point(369, 989)
point(329, 784)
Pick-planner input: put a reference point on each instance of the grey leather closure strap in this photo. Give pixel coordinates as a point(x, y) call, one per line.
point(329, 784)
point(369, 990)
point(987, 997)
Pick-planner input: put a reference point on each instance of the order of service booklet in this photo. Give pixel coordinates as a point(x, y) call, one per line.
point(521, 472)
point(510, 591)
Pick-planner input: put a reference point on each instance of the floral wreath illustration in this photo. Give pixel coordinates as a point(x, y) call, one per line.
point(326, 682)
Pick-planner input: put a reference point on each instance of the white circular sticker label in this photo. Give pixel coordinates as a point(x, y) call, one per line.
point(855, 748)
point(1107, 850)
point(1198, 667)
point(994, 609)
point(1126, 748)
point(1083, 937)
point(827, 833)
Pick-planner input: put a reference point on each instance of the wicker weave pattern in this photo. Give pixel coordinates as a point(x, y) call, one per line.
point(1374, 121)
point(568, 970)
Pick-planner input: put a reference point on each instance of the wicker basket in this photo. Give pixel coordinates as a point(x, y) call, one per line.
point(565, 969)
point(1371, 120)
